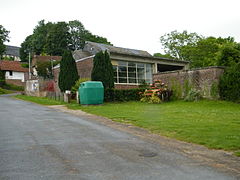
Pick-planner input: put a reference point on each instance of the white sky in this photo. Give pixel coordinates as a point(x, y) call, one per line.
point(135, 24)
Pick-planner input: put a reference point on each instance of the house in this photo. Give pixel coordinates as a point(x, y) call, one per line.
point(39, 58)
point(131, 67)
point(14, 72)
point(12, 52)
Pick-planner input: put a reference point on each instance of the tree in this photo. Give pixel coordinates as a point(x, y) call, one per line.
point(3, 38)
point(103, 70)
point(25, 48)
point(57, 39)
point(163, 55)
point(229, 55)
point(68, 72)
point(174, 42)
point(229, 84)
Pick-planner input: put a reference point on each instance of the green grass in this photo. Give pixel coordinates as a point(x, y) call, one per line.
point(215, 124)
point(39, 100)
point(13, 87)
point(4, 91)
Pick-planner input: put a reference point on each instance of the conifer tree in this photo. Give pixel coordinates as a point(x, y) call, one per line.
point(103, 70)
point(68, 72)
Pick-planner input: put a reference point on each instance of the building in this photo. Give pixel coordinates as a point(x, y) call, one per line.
point(12, 52)
point(14, 72)
point(131, 67)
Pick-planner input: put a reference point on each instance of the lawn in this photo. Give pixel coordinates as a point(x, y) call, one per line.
point(215, 124)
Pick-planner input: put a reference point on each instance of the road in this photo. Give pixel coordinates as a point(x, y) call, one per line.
point(37, 142)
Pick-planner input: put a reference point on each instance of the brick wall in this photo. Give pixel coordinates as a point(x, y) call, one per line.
point(201, 79)
point(84, 67)
point(125, 86)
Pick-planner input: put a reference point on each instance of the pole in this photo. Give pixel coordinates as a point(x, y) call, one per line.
point(29, 66)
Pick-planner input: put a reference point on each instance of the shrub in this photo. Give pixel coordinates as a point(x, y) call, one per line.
point(77, 84)
point(111, 95)
point(2, 78)
point(176, 89)
point(68, 72)
point(229, 85)
point(13, 87)
point(103, 70)
point(193, 95)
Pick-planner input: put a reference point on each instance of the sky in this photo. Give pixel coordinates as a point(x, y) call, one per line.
point(135, 24)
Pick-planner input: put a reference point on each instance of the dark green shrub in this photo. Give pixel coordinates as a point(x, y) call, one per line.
point(111, 95)
point(2, 78)
point(103, 70)
point(229, 85)
point(68, 72)
point(13, 87)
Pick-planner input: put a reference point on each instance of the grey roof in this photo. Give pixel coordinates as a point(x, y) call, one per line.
point(12, 51)
point(93, 48)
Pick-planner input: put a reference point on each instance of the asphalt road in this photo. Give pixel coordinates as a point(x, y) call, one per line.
point(41, 143)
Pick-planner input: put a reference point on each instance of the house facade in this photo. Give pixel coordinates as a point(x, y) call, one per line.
point(14, 72)
point(131, 67)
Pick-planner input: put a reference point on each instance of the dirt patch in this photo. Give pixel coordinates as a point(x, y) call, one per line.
point(222, 160)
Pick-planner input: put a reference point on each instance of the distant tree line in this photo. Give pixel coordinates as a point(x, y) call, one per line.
point(199, 50)
point(54, 38)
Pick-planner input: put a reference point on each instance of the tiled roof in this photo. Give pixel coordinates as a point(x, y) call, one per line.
point(96, 47)
point(12, 51)
point(12, 66)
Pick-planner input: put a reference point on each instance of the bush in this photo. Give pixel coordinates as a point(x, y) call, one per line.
point(229, 85)
point(193, 95)
point(77, 84)
point(13, 87)
point(2, 78)
point(111, 95)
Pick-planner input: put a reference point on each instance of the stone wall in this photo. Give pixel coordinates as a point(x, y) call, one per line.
point(204, 79)
point(16, 82)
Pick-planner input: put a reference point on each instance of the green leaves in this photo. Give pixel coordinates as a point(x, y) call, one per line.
point(3, 38)
point(68, 72)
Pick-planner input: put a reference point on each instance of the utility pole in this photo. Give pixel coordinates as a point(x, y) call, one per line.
point(29, 65)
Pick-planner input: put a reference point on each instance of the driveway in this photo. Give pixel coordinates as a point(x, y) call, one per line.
point(38, 142)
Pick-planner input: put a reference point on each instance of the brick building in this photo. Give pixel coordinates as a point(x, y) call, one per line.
point(131, 67)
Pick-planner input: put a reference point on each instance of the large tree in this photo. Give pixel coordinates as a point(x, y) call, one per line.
point(26, 47)
point(174, 42)
point(103, 70)
point(68, 72)
point(3, 38)
point(53, 38)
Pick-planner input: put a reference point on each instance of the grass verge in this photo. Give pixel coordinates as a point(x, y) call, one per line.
point(39, 100)
point(4, 91)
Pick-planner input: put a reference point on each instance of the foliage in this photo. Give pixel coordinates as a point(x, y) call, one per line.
point(174, 42)
point(103, 70)
point(214, 91)
point(186, 87)
point(144, 84)
point(13, 87)
point(229, 55)
point(2, 78)
point(68, 72)
point(163, 55)
point(3, 38)
point(193, 95)
point(214, 124)
point(6, 58)
point(77, 84)
point(229, 85)
point(113, 95)
point(4, 91)
point(200, 51)
point(44, 69)
point(25, 65)
point(177, 91)
point(157, 93)
point(53, 38)
point(26, 47)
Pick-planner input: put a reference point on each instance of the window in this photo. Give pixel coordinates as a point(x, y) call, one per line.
point(131, 72)
point(10, 73)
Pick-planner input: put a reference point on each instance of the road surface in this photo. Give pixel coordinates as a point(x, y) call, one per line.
point(37, 142)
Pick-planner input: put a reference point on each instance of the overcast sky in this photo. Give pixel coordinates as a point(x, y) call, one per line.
point(135, 24)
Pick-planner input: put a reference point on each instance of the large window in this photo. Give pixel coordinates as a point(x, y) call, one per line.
point(132, 72)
